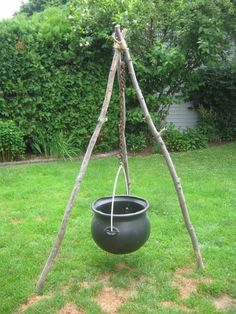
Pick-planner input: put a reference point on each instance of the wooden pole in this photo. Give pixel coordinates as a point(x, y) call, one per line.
point(166, 155)
point(71, 201)
point(122, 121)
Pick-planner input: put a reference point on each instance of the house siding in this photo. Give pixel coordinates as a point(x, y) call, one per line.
point(182, 115)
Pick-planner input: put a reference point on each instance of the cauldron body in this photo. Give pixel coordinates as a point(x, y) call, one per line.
point(131, 225)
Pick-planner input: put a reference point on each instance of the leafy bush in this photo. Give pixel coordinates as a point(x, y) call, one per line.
point(136, 142)
point(54, 64)
point(12, 145)
point(57, 146)
point(189, 139)
point(50, 84)
point(136, 130)
point(208, 124)
point(32, 6)
point(215, 99)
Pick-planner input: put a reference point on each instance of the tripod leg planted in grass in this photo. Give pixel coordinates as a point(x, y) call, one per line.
point(166, 155)
point(71, 201)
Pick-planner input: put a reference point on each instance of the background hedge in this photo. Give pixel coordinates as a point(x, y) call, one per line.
point(12, 144)
point(215, 99)
point(54, 64)
point(49, 85)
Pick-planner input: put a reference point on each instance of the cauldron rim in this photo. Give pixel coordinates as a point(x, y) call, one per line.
point(129, 198)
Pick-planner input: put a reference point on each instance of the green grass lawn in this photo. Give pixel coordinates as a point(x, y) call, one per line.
point(32, 201)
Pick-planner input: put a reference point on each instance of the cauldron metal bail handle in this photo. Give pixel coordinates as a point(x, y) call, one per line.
point(113, 194)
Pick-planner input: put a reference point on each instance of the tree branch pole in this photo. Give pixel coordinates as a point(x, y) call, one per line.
point(166, 155)
point(122, 120)
point(72, 199)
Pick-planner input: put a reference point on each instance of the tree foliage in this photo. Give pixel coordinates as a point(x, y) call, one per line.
point(32, 6)
point(12, 145)
point(215, 98)
point(49, 83)
point(168, 39)
point(54, 63)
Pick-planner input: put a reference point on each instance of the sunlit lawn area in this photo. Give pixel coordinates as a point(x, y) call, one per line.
point(151, 280)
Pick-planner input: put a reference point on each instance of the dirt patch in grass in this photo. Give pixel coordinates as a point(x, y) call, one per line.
point(122, 265)
point(186, 284)
point(224, 302)
point(71, 308)
point(31, 301)
point(109, 300)
point(181, 307)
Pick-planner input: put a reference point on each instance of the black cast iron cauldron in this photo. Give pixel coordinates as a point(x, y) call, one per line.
point(131, 225)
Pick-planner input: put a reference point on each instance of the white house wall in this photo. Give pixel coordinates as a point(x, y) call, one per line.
point(182, 115)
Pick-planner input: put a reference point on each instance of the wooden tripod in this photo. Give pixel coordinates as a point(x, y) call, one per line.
point(120, 47)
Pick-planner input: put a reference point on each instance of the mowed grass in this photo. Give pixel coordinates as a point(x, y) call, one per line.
point(32, 202)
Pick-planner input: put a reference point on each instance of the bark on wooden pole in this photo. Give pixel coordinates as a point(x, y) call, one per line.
point(122, 120)
point(166, 155)
point(71, 201)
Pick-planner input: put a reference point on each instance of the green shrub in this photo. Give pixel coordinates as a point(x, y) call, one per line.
point(215, 99)
point(57, 146)
point(12, 145)
point(136, 142)
point(208, 124)
point(155, 147)
point(51, 84)
point(54, 64)
point(189, 139)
